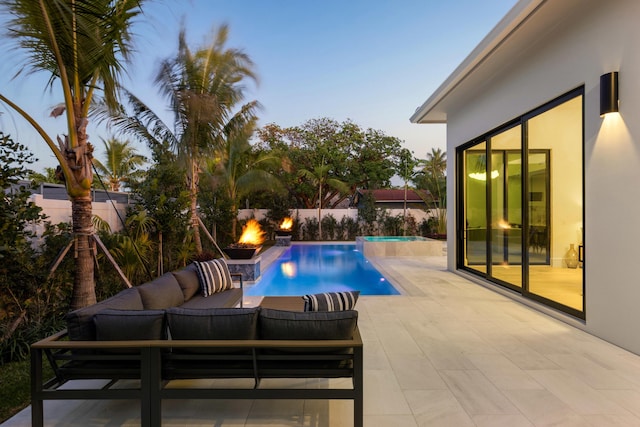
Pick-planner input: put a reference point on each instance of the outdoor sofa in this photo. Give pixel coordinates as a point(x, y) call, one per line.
point(168, 330)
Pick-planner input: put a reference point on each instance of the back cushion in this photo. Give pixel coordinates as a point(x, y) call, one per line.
point(212, 324)
point(214, 276)
point(161, 293)
point(80, 322)
point(295, 325)
point(188, 280)
point(125, 325)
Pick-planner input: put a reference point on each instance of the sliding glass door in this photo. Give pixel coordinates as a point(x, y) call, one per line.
point(520, 193)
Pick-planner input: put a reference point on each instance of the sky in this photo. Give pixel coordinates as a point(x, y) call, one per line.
point(371, 62)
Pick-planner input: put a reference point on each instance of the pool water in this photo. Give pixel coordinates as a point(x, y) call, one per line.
point(310, 269)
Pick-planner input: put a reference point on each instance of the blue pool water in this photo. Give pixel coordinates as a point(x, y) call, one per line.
point(310, 269)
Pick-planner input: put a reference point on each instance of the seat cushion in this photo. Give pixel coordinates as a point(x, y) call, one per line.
point(161, 293)
point(214, 276)
point(331, 301)
point(80, 325)
point(228, 298)
point(188, 280)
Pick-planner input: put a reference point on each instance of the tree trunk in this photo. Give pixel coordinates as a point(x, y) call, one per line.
point(234, 222)
point(84, 288)
point(193, 194)
point(195, 225)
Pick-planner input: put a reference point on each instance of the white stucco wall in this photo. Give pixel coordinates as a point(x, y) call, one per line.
point(595, 38)
point(338, 214)
point(58, 211)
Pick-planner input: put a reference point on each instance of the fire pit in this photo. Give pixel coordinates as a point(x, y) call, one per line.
point(285, 227)
point(283, 234)
point(244, 258)
point(241, 251)
point(249, 244)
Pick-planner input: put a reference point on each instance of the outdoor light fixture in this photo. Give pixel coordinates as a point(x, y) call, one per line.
point(609, 93)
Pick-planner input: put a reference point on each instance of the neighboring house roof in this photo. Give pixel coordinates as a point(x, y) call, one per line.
point(521, 27)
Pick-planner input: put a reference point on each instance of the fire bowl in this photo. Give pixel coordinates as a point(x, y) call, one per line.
point(283, 232)
point(240, 252)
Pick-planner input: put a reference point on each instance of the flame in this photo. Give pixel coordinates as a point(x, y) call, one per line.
point(286, 224)
point(252, 233)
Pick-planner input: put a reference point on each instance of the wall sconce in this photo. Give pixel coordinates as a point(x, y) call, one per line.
point(609, 93)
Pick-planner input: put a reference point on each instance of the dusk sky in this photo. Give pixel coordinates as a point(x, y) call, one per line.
point(373, 62)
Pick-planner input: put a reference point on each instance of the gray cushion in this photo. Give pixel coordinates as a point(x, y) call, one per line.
point(161, 293)
point(228, 298)
point(80, 322)
point(312, 325)
point(188, 280)
point(331, 301)
point(124, 325)
point(212, 324)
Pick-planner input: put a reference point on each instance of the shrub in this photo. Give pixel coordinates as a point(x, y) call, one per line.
point(329, 227)
point(310, 229)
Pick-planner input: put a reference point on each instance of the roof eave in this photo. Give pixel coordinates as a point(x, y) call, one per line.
point(428, 112)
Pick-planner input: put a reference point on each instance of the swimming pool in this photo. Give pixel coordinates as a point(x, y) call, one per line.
point(310, 269)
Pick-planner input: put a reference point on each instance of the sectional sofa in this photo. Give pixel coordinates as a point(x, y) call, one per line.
point(168, 330)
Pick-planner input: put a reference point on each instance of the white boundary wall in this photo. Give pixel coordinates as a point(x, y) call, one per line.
point(338, 214)
point(60, 211)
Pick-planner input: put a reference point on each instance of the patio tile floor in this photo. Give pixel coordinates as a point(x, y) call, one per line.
point(447, 353)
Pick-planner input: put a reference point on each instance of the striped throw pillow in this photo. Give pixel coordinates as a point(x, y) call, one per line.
point(213, 276)
point(331, 301)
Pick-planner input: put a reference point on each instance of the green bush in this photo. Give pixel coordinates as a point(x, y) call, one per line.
point(329, 227)
point(310, 229)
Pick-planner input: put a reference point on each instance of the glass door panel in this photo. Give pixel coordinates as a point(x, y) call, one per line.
point(539, 212)
point(555, 202)
point(475, 208)
point(506, 206)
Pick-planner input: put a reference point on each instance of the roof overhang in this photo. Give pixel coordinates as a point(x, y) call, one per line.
point(519, 28)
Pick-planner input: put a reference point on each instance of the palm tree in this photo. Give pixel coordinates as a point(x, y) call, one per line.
point(434, 172)
point(121, 162)
point(319, 177)
point(204, 88)
point(83, 44)
point(406, 169)
point(240, 173)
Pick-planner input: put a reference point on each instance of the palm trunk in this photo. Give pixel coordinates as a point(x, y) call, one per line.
point(195, 225)
point(84, 289)
point(234, 222)
point(192, 183)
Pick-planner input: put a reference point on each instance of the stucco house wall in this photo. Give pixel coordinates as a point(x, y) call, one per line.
point(561, 46)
